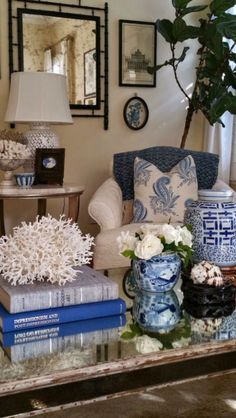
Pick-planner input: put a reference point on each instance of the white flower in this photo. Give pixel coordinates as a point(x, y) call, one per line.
point(148, 247)
point(146, 344)
point(183, 342)
point(170, 233)
point(186, 236)
point(126, 241)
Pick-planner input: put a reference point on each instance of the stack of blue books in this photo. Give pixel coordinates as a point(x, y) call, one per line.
point(41, 318)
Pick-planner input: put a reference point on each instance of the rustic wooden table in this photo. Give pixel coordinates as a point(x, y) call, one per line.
point(41, 194)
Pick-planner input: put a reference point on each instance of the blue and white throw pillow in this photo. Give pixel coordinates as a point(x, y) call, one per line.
point(163, 197)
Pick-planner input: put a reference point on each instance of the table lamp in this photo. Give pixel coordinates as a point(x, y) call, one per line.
point(40, 99)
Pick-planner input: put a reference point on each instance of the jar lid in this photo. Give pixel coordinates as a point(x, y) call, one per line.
point(221, 195)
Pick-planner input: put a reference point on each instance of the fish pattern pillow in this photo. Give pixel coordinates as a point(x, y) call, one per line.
point(163, 197)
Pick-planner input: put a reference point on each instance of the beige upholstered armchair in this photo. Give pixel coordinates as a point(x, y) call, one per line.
point(112, 204)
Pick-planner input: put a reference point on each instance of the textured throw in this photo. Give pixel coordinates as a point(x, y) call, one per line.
point(163, 197)
point(165, 158)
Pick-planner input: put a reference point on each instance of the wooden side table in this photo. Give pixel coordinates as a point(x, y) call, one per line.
point(41, 194)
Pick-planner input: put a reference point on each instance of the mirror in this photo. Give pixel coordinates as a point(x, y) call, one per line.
point(63, 43)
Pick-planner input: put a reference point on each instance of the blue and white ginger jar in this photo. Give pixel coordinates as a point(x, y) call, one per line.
point(156, 312)
point(214, 231)
point(158, 274)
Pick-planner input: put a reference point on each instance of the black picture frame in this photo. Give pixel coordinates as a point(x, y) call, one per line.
point(136, 113)
point(49, 165)
point(137, 51)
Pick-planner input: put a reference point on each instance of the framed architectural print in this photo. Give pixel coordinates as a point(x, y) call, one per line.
point(136, 113)
point(49, 165)
point(137, 52)
point(90, 72)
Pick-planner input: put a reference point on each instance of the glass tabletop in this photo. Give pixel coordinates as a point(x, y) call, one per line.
point(34, 359)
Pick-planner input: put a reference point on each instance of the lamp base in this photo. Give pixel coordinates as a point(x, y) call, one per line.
point(39, 136)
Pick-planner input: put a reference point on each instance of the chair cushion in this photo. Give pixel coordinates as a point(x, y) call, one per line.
point(165, 158)
point(162, 197)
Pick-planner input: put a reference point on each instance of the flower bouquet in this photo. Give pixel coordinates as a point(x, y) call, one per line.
point(158, 254)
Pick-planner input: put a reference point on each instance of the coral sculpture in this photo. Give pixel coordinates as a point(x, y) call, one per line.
point(46, 250)
point(207, 273)
point(13, 150)
point(13, 135)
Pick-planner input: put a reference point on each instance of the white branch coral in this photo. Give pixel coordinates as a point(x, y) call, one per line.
point(47, 249)
point(13, 150)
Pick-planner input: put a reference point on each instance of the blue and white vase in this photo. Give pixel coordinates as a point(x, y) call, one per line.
point(214, 231)
point(156, 312)
point(158, 274)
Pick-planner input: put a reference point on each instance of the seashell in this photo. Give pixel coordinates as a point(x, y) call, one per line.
point(207, 273)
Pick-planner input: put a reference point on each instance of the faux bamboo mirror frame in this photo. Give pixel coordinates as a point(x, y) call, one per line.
point(67, 38)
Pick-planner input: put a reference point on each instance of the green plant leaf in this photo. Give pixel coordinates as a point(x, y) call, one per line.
point(226, 26)
point(127, 335)
point(128, 253)
point(192, 10)
point(217, 7)
point(183, 55)
point(180, 4)
point(181, 31)
point(165, 28)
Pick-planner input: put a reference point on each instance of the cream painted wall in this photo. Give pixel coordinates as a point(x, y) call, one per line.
point(89, 148)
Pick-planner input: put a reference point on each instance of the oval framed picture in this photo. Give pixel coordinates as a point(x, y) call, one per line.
point(136, 113)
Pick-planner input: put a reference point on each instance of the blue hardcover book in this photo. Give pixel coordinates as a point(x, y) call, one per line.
point(61, 330)
point(44, 317)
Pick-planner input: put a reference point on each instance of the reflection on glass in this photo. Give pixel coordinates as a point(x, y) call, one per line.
point(62, 45)
point(156, 312)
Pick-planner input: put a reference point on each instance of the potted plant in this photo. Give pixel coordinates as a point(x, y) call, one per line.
point(215, 82)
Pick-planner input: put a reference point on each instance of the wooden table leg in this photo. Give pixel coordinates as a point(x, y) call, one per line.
point(42, 205)
point(2, 226)
point(73, 207)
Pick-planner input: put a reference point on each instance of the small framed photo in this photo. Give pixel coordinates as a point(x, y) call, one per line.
point(90, 72)
point(136, 113)
point(49, 165)
point(137, 52)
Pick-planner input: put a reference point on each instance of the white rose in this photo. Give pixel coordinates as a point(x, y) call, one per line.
point(153, 229)
point(146, 344)
point(186, 236)
point(171, 234)
point(126, 241)
point(148, 247)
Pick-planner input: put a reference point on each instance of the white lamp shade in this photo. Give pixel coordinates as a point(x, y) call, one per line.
point(38, 97)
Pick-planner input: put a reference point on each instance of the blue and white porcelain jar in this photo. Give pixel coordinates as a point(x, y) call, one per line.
point(214, 231)
point(158, 274)
point(156, 312)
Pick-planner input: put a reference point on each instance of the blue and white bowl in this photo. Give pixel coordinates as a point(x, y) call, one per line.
point(25, 179)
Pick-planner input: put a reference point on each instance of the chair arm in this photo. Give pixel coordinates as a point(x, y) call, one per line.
point(106, 205)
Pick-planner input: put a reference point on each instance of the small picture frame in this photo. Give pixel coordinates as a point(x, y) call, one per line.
point(137, 52)
point(136, 113)
point(90, 72)
point(49, 165)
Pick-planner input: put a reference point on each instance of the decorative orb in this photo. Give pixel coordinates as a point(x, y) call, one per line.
point(156, 312)
point(158, 274)
point(25, 179)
